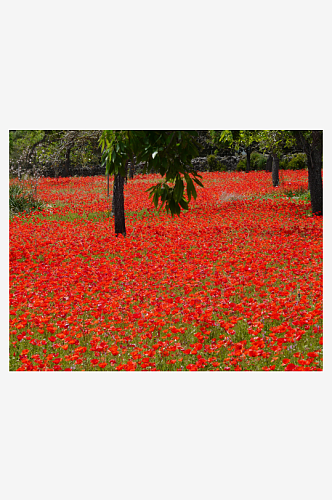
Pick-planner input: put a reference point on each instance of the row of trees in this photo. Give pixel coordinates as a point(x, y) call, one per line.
point(169, 153)
point(35, 151)
point(273, 142)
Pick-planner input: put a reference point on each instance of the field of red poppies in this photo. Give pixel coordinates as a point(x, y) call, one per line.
point(235, 283)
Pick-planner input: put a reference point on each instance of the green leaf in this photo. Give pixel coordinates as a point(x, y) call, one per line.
point(190, 187)
point(198, 182)
point(178, 190)
point(194, 193)
point(156, 199)
point(184, 204)
point(164, 195)
point(177, 209)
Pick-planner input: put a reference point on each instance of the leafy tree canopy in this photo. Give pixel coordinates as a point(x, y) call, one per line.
point(28, 148)
point(166, 152)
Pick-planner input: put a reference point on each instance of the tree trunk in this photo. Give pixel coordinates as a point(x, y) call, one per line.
point(118, 205)
point(67, 163)
point(315, 173)
point(248, 160)
point(113, 209)
point(275, 170)
point(269, 164)
point(314, 152)
point(132, 168)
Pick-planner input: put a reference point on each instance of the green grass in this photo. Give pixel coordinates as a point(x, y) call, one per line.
point(45, 216)
point(306, 344)
point(22, 200)
point(299, 193)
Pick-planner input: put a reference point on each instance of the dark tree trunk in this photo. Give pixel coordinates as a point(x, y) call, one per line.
point(275, 170)
point(66, 170)
point(248, 159)
point(132, 168)
point(118, 205)
point(314, 152)
point(315, 173)
point(113, 209)
point(269, 164)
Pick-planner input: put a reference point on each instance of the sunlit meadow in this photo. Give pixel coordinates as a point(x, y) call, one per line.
point(235, 283)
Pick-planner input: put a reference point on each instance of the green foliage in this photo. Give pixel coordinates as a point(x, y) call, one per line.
point(214, 138)
point(207, 143)
point(298, 162)
point(20, 140)
point(212, 162)
point(283, 164)
point(215, 165)
point(257, 161)
point(261, 163)
point(37, 149)
point(299, 192)
point(21, 200)
point(242, 164)
point(167, 152)
point(273, 141)
point(237, 138)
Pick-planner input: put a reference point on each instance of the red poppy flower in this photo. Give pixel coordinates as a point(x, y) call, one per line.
point(114, 350)
point(290, 367)
point(169, 281)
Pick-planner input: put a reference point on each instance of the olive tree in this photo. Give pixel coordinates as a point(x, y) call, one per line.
point(237, 139)
point(311, 142)
point(167, 152)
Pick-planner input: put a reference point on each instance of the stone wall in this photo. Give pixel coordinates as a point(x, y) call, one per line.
point(199, 164)
point(75, 171)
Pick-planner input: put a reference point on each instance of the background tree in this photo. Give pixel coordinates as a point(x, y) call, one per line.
point(82, 145)
point(22, 147)
point(34, 151)
point(166, 152)
point(272, 141)
point(208, 142)
point(236, 139)
point(311, 142)
point(308, 141)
